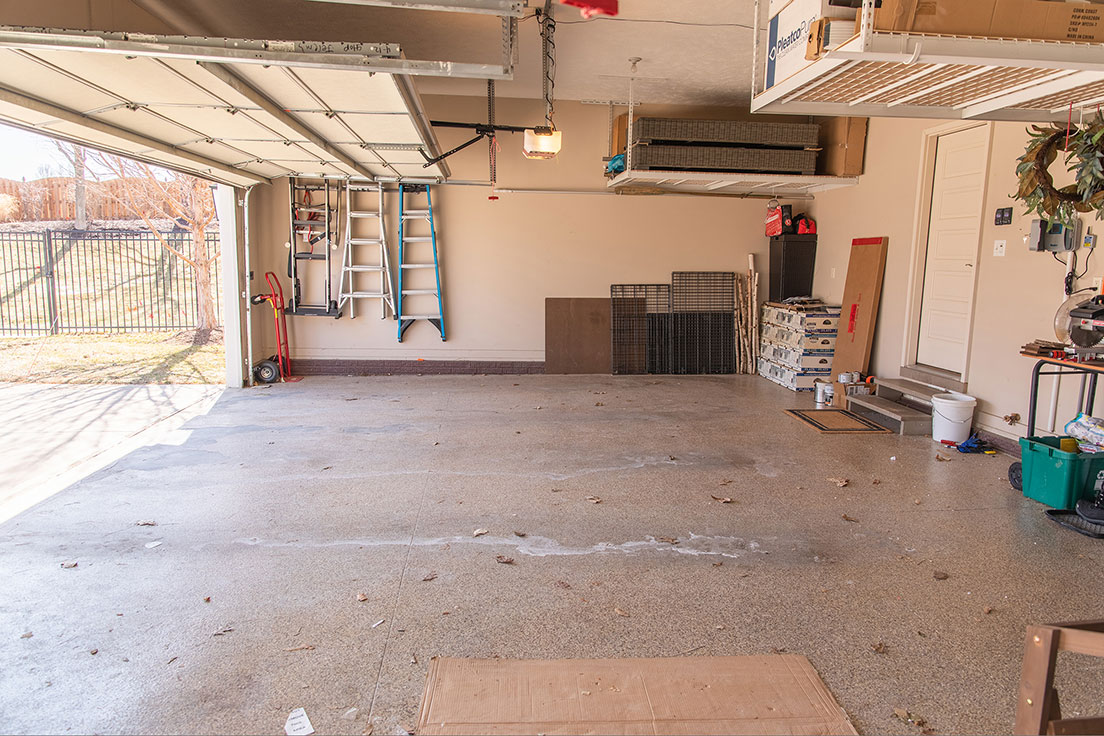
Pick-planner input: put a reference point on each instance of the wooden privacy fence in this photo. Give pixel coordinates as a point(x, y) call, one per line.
point(53, 198)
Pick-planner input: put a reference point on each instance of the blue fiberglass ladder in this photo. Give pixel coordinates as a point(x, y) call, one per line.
point(413, 279)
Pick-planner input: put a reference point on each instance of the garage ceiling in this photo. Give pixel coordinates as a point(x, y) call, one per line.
point(238, 123)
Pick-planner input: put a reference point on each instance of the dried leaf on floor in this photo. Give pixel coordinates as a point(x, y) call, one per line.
point(429, 577)
point(206, 599)
point(301, 648)
point(880, 648)
point(941, 458)
point(852, 519)
point(988, 610)
point(68, 565)
point(594, 499)
point(940, 575)
point(841, 482)
point(619, 612)
point(93, 651)
point(521, 534)
point(667, 540)
point(378, 623)
point(875, 482)
point(718, 564)
point(145, 523)
point(362, 597)
point(504, 560)
point(599, 403)
point(479, 532)
point(721, 499)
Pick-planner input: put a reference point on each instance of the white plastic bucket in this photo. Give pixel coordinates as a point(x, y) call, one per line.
point(952, 417)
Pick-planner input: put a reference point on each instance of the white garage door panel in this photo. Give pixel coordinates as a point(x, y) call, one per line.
point(22, 75)
point(137, 79)
point(274, 120)
point(354, 91)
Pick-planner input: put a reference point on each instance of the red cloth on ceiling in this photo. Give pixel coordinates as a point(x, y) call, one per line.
point(593, 7)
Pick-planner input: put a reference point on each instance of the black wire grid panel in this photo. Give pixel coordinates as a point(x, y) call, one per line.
point(688, 327)
point(703, 326)
point(639, 328)
point(100, 281)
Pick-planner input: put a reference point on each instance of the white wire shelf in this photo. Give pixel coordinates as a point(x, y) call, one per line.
point(884, 74)
point(782, 186)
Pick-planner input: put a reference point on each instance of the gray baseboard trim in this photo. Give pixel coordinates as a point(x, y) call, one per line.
point(317, 367)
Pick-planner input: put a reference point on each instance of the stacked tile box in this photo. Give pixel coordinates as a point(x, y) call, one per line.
point(797, 343)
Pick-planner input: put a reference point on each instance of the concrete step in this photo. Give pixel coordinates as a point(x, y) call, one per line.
point(892, 388)
point(904, 419)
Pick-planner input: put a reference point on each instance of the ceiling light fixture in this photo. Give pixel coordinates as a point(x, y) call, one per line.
point(545, 142)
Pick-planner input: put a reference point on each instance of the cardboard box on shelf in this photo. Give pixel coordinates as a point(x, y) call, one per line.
point(1041, 20)
point(843, 146)
point(788, 34)
point(827, 34)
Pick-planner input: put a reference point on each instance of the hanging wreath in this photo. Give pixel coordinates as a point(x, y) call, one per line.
point(1084, 159)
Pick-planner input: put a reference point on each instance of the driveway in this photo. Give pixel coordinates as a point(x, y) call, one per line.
point(51, 436)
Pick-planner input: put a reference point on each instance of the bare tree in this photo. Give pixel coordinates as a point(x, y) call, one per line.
point(158, 193)
point(74, 156)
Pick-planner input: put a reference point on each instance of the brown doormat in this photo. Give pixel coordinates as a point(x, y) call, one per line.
point(836, 421)
point(779, 694)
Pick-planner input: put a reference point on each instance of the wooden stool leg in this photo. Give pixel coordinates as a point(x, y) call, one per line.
point(1037, 702)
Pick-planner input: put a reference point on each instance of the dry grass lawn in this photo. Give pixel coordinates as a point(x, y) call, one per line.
point(148, 357)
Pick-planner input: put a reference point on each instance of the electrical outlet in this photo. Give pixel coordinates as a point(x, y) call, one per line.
point(1096, 284)
point(999, 247)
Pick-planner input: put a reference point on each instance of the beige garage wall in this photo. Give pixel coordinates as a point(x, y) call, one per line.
point(1017, 295)
point(501, 259)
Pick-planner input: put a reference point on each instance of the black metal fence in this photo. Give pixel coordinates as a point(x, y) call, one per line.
point(100, 281)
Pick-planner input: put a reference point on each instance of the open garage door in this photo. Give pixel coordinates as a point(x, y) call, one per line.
point(234, 111)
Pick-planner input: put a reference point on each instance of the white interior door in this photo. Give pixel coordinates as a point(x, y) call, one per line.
point(953, 234)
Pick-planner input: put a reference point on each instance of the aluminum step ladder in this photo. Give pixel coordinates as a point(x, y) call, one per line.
point(418, 297)
point(358, 247)
point(314, 209)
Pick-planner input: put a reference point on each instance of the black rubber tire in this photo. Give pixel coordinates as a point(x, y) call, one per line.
point(267, 371)
point(1015, 476)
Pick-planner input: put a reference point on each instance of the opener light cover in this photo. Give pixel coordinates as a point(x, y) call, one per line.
point(542, 144)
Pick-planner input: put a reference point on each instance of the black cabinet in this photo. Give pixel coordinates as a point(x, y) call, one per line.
point(792, 258)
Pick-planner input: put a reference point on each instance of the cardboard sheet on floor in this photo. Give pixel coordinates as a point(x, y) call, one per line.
point(777, 694)
point(861, 296)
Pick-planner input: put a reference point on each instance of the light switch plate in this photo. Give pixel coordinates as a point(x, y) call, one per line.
point(999, 246)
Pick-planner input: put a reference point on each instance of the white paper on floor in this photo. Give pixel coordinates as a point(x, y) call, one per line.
point(297, 723)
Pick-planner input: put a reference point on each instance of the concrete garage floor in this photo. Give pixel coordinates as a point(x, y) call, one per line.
point(285, 503)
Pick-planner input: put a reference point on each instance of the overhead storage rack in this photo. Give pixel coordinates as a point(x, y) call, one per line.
point(912, 75)
point(781, 186)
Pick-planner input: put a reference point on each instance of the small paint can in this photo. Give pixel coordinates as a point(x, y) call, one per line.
point(824, 392)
